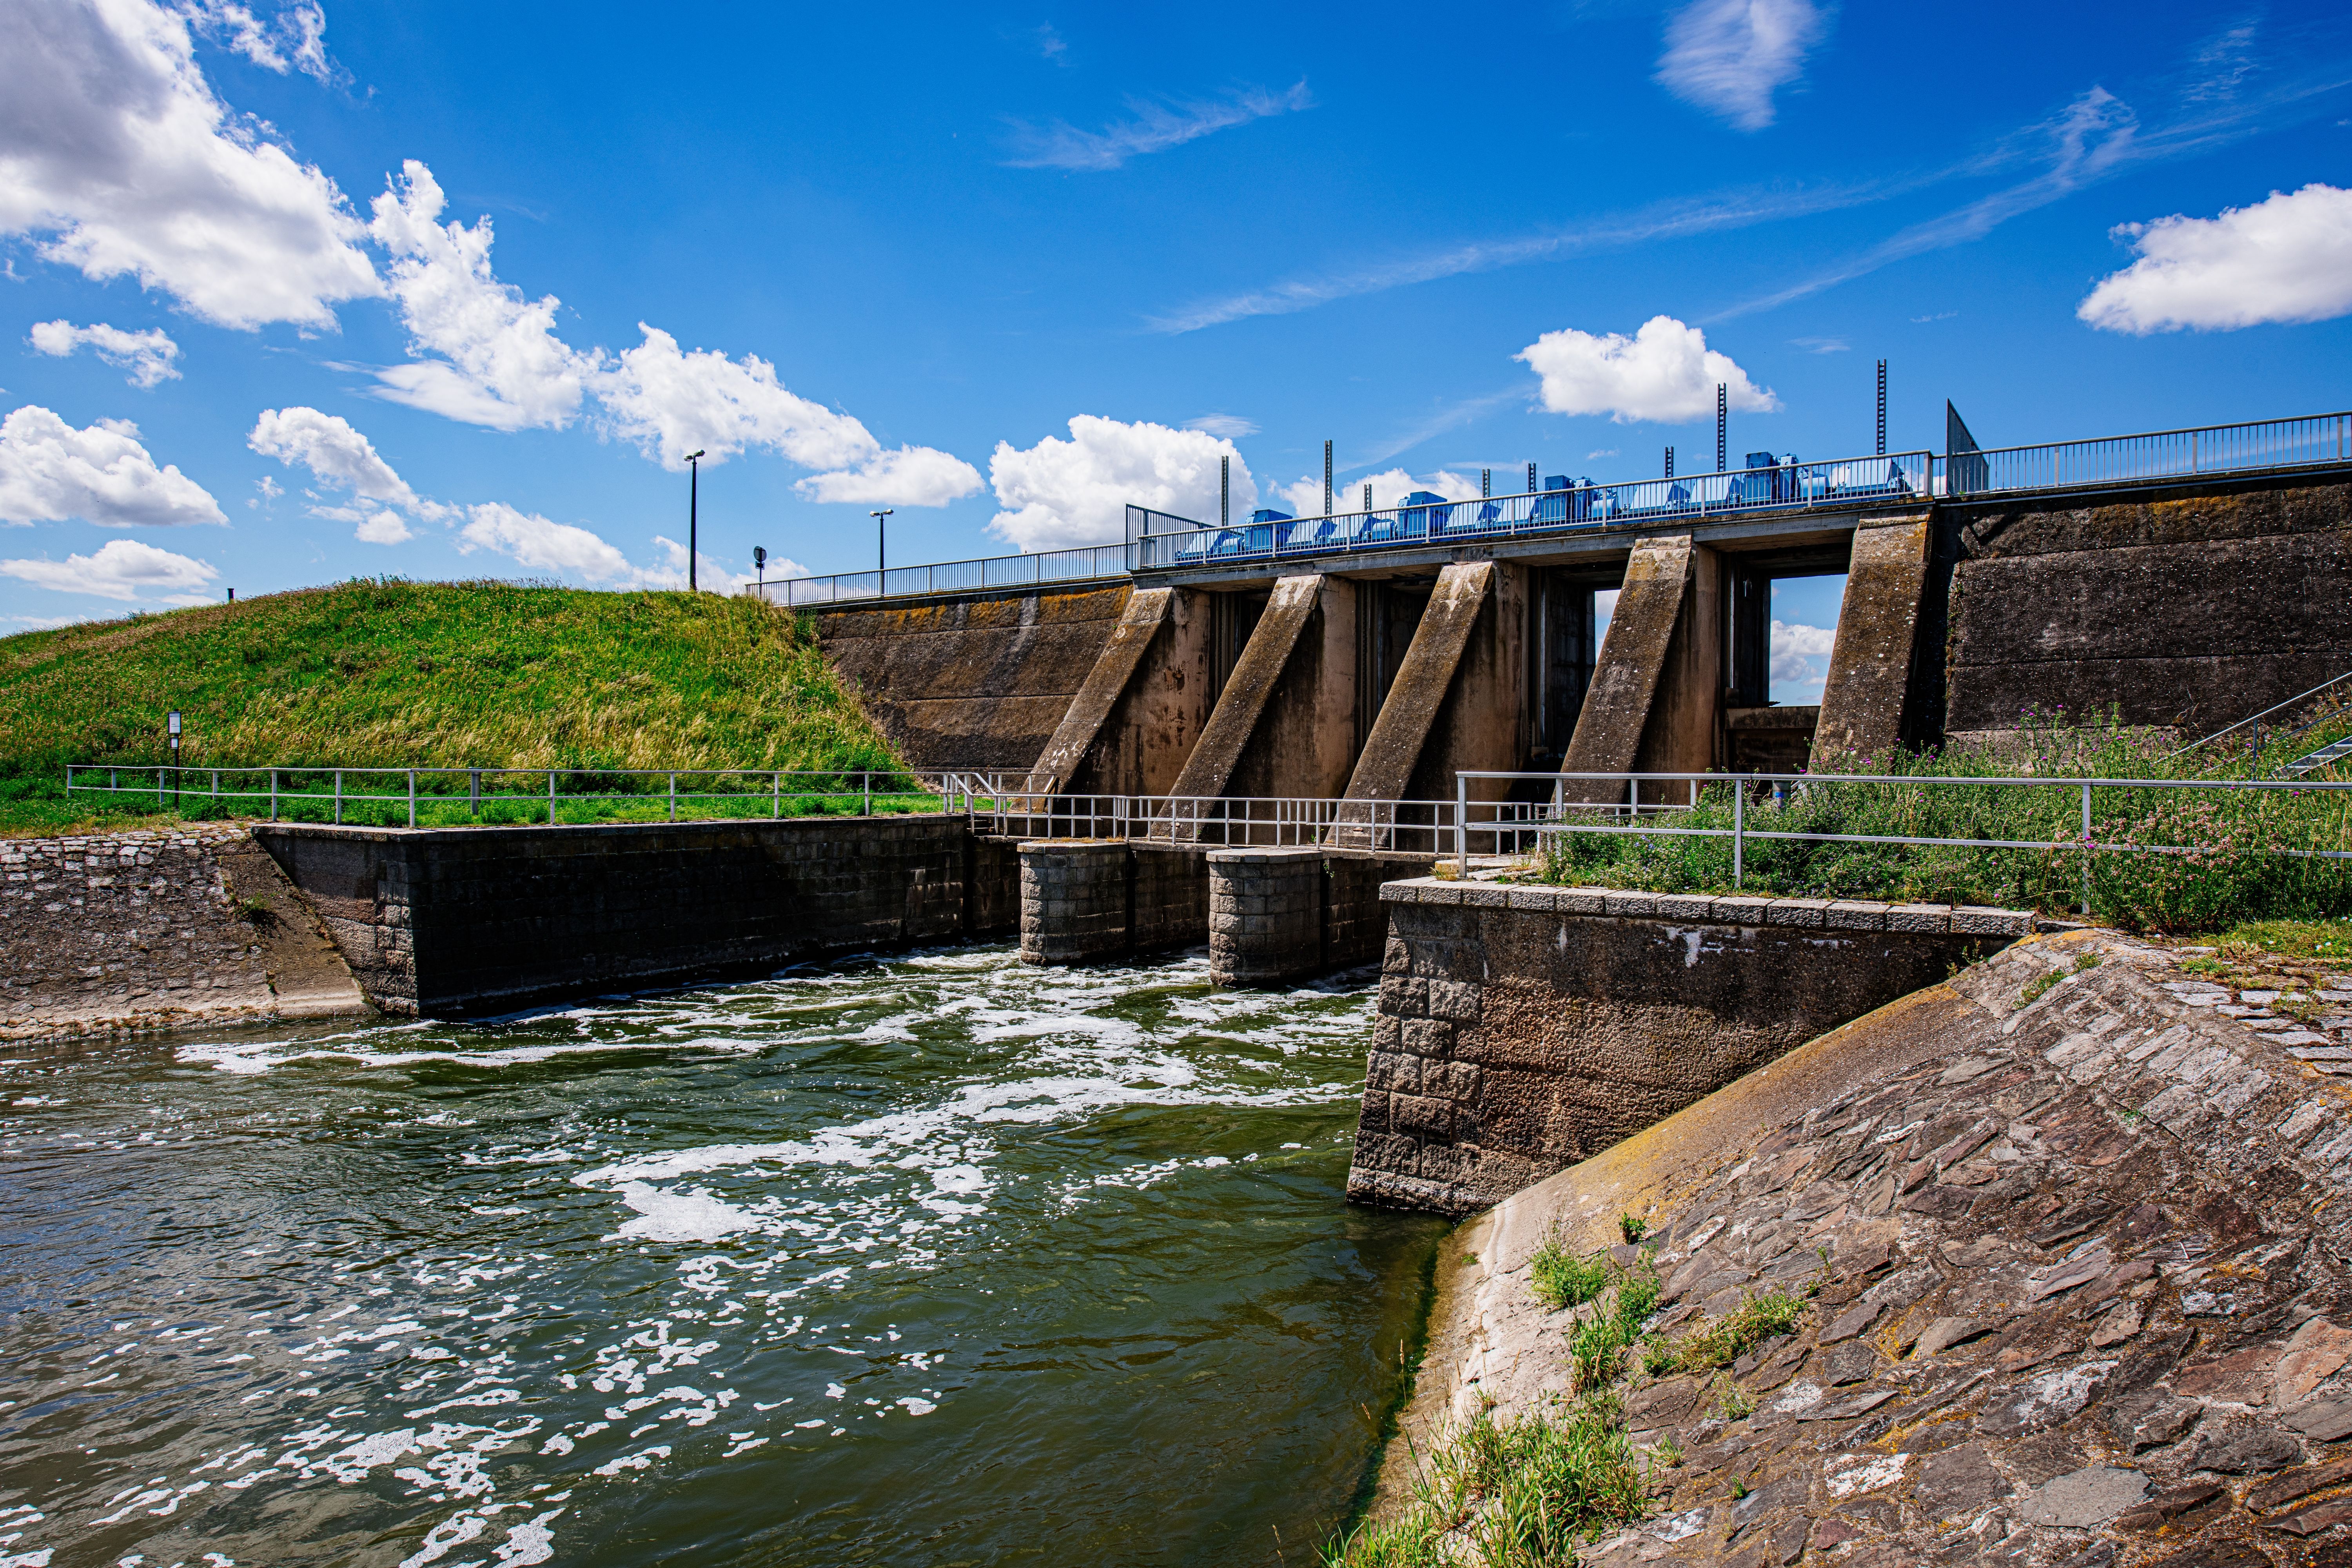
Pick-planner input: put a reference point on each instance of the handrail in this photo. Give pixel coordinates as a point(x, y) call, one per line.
point(950, 576)
point(2257, 718)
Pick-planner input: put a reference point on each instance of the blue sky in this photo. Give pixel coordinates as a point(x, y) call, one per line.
point(888, 259)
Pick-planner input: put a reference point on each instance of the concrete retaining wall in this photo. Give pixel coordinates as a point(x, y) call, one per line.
point(974, 681)
point(1278, 915)
point(1085, 900)
point(106, 933)
point(1523, 1029)
point(465, 922)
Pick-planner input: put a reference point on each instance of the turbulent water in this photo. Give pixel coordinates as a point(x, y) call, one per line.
point(932, 1259)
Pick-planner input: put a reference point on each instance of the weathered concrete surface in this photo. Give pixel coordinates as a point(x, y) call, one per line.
point(982, 681)
point(1657, 696)
point(2082, 1290)
point(1088, 899)
point(1283, 914)
point(1524, 1029)
point(1472, 704)
point(1862, 699)
point(1148, 612)
point(115, 932)
point(1770, 740)
point(1279, 631)
point(1143, 741)
point(473, 920)
point(2189, 611)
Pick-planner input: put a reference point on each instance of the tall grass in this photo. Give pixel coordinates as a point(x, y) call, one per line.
point(2228, 872)
point(393, 673)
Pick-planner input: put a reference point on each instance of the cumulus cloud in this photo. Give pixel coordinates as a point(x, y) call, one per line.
point(1801, 653)
point(498, 361)
point(123, 569)
point(1059, 494)
point(147, 355)
point(537, 543)
point(1304, 496)
point(911, 476)
point(49, 472)
point(334, 452)
point(114, 148)
point(295, 39)
point(2288, 258)
point(1728, 56)
point(1664, 372)
point(383, 528)
point(1155, 128)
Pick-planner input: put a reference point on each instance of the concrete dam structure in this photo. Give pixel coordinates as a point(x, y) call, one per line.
point(1299, 667)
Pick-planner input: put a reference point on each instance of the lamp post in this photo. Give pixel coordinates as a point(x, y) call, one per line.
point(881, 549)
point(693, 500)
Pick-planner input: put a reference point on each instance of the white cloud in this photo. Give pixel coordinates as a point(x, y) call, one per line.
point(911, 476)
point(2288, 258)
point(147, 355)
point(1801, 653)
point(1304, 496)
point(671, 402)
point(1728, 56)
point(296, 41)
point(113, 146)
point(1059, 494)
point(383, 528)
point(1155, 128)
point(1230, 426)
point(1824, 345)
point(123, 569)
point(500, 362)
point(50, 471)
point(533, 541)
point(328, 445)
point(1664, 373)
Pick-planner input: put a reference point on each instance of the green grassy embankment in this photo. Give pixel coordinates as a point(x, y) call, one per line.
point(399, 674)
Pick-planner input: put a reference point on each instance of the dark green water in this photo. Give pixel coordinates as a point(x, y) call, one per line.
point(937, 1260)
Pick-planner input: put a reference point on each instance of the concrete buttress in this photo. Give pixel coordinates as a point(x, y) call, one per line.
point(1657, 696)
point(1285, 723)
point(1870, 664)
point(1136, 717)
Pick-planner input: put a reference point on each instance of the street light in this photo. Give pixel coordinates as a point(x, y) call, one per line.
point(693, 488)
point(881, 549)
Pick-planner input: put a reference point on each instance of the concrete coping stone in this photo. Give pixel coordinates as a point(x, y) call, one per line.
point(1843, 915)
point(1043, 845)
point(1289, 854)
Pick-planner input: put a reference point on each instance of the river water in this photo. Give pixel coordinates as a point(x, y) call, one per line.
point(929, 1259)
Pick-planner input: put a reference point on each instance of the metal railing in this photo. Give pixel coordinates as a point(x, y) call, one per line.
point(1877, 480)
point(1422, 826)
point(540, 794)
point(1560, 814)
point(951, 576)
point(2255, 720)
point(2311, 441)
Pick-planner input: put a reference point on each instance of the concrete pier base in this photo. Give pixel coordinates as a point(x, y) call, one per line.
point(1266, 913)
point(1087, 900)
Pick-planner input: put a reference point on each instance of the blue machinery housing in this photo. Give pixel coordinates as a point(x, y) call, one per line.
point(1161, 542)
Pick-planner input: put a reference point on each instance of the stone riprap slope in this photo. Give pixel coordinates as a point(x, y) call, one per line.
point(107, 933)
point(2076, 1245)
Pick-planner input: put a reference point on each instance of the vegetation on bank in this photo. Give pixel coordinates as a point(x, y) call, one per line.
point(2228, 869)
point(1525, 1493)
point(389, 673)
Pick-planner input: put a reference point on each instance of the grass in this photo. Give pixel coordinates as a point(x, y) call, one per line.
point(2325, 943)
point(2228, 876)
point(389, 673)
point(1722, 1341)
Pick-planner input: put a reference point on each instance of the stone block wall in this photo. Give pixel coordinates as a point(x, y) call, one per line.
point(1281, 914)
point(1084, 899)
point(106, 933)
point(465, 922)
point(1524, 1029)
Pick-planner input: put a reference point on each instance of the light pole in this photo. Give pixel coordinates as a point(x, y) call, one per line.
point(759, 564)
point(881, 549)
point(693, 500)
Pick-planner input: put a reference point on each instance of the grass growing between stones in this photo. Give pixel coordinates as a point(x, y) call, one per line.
point(397, 674)
point(2228, 873)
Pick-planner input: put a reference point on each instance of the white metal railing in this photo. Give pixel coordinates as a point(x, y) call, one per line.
point(951, 576)
point(1559, 815)
point(2310, 441)
point(540, 794)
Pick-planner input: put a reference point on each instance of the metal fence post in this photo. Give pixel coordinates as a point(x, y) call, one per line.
point(776, 796)
point(867, 782)
point(673, 797)
point(1738, 833)
point(339, 797)
point(273, 794)
point(2087, 849)
point(551, 797)
point(474, 791)
point(1461, 823)
point(412, 797)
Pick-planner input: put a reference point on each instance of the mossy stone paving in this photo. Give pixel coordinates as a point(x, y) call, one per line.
point(2082, 1300)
